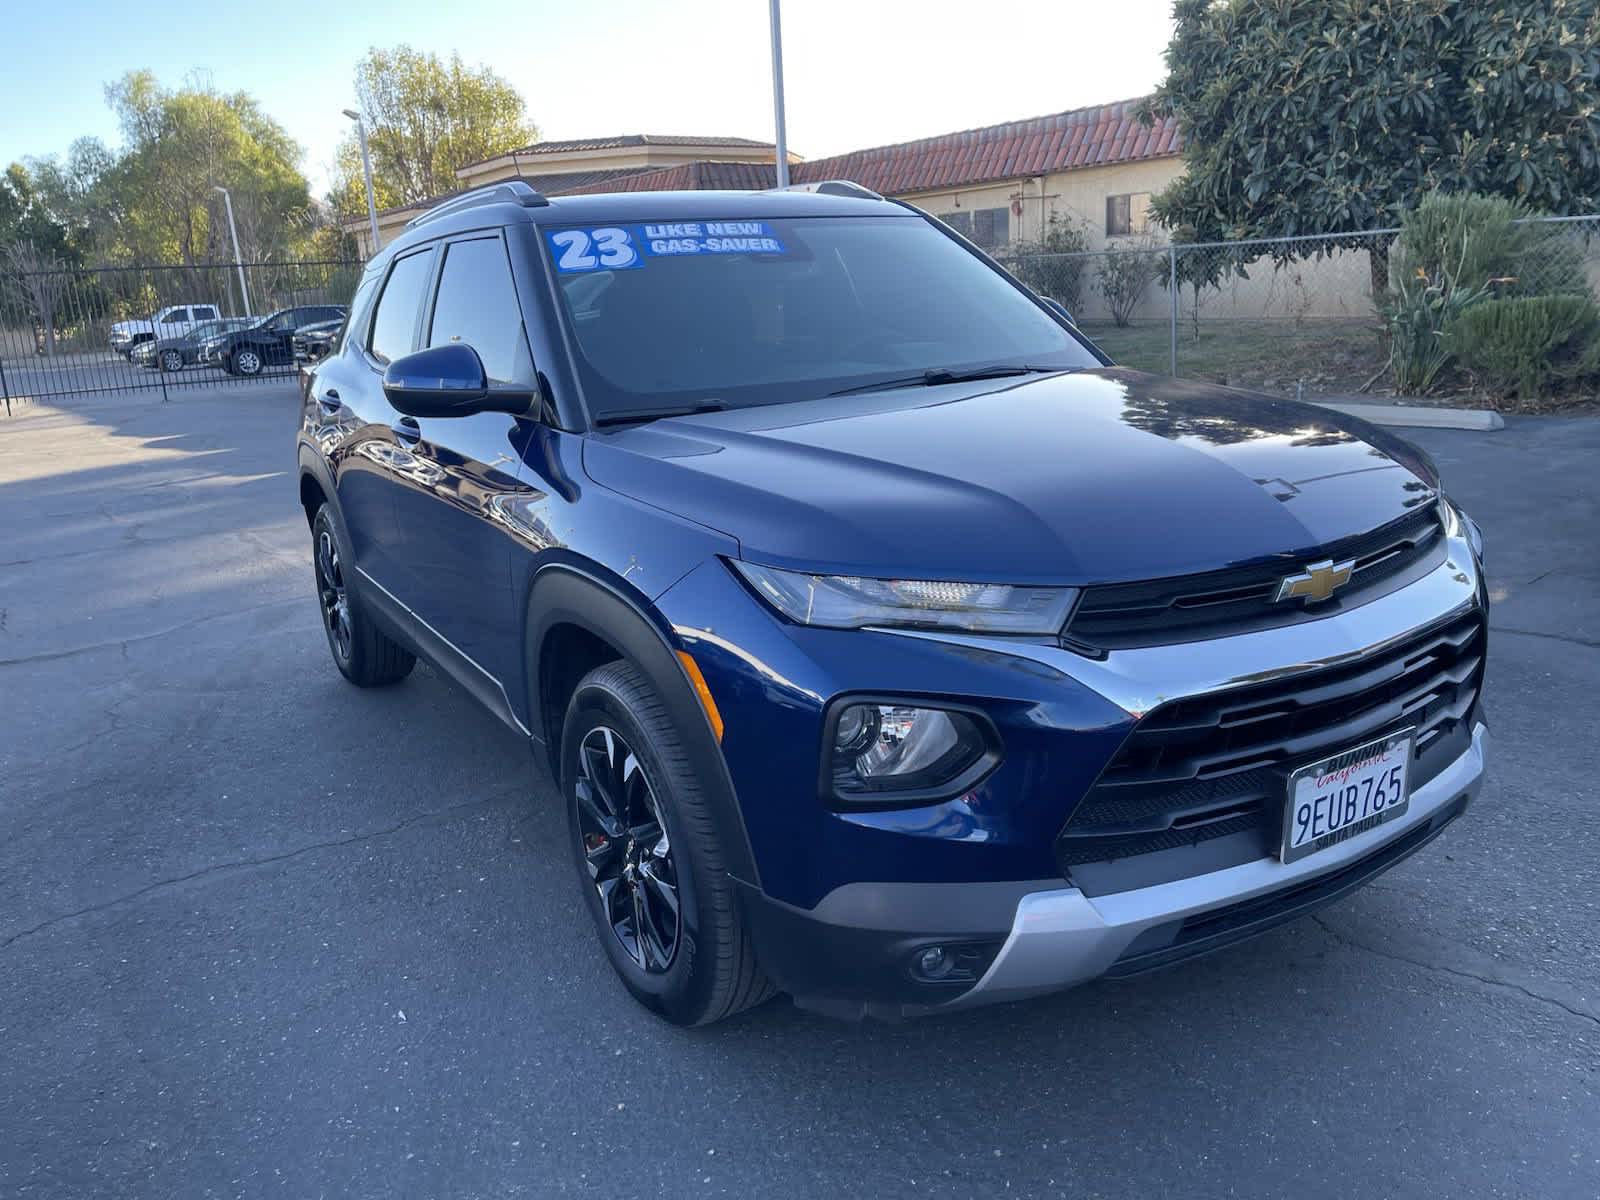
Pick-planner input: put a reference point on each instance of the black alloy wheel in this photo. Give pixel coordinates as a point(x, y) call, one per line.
point(628, 850)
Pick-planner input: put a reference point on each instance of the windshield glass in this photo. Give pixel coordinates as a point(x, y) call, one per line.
point(758, 312)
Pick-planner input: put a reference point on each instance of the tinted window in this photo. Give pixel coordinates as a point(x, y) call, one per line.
point(205, 313)
point(824, 304)
point(477, 305)
point(396, 318)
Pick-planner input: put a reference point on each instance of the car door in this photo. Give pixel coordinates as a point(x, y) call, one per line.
point(449, 506)
point(363, 448)
point(280, 346)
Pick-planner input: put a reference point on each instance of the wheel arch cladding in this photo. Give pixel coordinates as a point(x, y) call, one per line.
point(312, 495)
point(572, 612)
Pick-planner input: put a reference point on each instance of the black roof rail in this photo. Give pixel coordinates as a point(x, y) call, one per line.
point(833, 187)
point(512, 191)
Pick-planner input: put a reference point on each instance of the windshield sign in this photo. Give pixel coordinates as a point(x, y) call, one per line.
point(668, 314)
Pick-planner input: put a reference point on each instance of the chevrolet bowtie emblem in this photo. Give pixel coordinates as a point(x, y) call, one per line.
point(1317, 582)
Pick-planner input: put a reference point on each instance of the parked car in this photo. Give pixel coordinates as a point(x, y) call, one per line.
point(889, 646)
point(172, 321)
point(175, 353)
point(312, 342)
point(268, 342)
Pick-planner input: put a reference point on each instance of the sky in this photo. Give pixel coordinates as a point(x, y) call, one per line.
point(857, 72)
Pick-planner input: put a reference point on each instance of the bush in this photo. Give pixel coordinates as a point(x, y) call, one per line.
point(1457, 254)
point(1419, 311)
point(1054, 265)
point(1527, 343)
point(1476, 242)
point(1125, 274)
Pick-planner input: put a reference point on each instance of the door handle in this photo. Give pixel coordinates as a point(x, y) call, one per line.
point(407, 429)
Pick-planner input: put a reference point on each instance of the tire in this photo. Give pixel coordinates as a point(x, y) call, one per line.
point(621, 752)
point(245, 361)
point(172, 360)
point(364, 654)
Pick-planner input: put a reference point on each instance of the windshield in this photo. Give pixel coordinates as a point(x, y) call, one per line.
point(735, 313)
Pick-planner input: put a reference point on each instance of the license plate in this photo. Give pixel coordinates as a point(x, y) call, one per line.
point(1354, 791)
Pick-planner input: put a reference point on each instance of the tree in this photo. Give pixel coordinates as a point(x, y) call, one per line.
point(1308, 116)
point(425, 117)
point(179, 146)
point(37, 278)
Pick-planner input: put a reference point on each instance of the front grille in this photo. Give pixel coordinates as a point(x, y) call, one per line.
point(1237, 600)
point(1215, 765)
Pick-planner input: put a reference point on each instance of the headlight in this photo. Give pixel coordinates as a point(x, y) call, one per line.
point(848, 602)
point(896, 753)
point(1456, 524)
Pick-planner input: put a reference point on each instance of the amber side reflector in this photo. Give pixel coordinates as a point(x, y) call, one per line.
point(692, 669)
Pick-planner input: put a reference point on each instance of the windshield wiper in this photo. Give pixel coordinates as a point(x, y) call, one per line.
point(937, 375)
point(639, 416)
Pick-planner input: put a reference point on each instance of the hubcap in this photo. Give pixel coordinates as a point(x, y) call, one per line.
point(627, 850)
point(174, 360)
point(335, 600)
point(249, 363)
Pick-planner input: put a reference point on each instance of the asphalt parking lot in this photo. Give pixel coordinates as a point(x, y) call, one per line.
point(261, 933)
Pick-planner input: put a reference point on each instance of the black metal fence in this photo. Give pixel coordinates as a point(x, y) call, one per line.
point(69, 332)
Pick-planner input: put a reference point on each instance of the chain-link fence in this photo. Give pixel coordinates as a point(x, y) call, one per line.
point(67, 332)
point(1305, 315)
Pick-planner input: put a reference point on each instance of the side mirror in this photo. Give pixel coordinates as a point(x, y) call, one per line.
point(1059, 309)
point(447, 381)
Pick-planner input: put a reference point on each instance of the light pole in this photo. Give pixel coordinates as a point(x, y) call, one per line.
point(777, 97)
point(366, 167)
point(233, 232)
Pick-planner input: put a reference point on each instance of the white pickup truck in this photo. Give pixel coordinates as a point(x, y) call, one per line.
point(172, 321)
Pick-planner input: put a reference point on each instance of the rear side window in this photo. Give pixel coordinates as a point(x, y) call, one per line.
point(396, 319)
point(205, 313)
point(477, 306)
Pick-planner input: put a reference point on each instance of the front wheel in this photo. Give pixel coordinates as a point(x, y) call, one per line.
point(364, 654)
point(648, 857)
point(246, 362)
point(171, 360)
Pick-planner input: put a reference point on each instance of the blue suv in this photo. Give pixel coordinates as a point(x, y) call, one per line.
point(889, 646)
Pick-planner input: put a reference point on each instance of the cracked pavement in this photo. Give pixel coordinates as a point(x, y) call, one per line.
point(263, 933)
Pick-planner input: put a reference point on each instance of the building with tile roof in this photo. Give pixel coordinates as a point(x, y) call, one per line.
point(1097, 166)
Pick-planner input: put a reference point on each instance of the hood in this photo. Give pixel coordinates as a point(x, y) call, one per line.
point(1096, 476)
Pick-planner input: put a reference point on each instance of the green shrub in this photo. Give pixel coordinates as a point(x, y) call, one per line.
point(1125, 274)
point(1419, 312)
point(1054, 265)
point(1527, 343)
point(1476, 242)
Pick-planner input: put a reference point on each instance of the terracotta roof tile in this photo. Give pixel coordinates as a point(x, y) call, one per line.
point(1083, 137)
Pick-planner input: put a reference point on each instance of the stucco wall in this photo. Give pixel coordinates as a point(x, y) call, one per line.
point(1078, 195)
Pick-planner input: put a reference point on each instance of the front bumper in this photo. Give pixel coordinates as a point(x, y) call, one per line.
point(853, 954)
point(1062, 937)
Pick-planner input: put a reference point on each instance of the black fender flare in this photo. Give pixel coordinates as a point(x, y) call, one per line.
point(563, 594)
point(316, 466)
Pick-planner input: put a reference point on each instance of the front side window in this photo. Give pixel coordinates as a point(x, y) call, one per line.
point(786, 310)
point(395, 323)
point(477, 306)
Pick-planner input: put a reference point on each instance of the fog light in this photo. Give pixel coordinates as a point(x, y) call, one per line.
point(923, 754)
point(934, 963)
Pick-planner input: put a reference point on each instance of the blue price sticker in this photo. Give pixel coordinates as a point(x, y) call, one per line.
point(609, 248)
point(709, 237)
point(618, 248)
